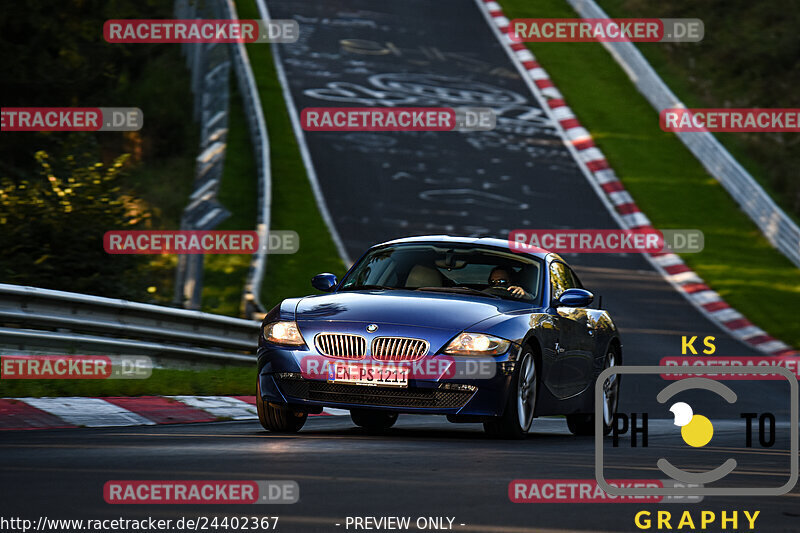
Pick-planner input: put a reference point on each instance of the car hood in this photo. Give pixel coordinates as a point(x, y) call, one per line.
point(413, 308)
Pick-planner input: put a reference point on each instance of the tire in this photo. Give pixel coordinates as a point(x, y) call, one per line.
point(373, 421)
point(521, 404)
point(278, 418)
point(583, 424)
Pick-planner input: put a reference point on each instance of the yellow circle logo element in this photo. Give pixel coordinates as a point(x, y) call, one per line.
point(698, 431)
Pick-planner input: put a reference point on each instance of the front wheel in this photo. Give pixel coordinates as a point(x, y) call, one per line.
point(583, 424)
point(373, 421)
point(278, 418)
point(518, 415)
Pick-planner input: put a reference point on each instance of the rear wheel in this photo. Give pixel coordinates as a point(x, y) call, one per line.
point(518, 415)
point(583, 424)
point(373, 421)
point(278, 418)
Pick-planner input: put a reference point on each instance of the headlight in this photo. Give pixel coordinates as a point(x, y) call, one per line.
point(283, 333)
point(477, 344)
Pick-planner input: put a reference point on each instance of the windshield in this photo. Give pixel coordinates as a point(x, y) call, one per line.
point(449, 268)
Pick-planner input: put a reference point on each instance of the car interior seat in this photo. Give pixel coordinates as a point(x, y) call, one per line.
point(423, 276)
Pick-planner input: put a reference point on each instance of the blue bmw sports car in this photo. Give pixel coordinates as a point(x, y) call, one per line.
point(456, 326)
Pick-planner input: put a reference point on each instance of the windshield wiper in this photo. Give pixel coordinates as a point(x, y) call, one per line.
point(368, 288)
point(466, 290)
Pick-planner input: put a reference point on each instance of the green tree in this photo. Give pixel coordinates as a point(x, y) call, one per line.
point(52, 227)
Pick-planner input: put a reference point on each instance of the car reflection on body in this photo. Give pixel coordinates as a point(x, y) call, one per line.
point(443, 301)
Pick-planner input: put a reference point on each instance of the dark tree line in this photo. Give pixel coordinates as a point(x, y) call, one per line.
point(60, 192)
point(749, 57)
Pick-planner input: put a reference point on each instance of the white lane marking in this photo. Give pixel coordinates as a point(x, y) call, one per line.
point(620, 198)
point(539, 74)
point(221, 406)
point(726, 315)
point(773, 346)
point(690, 276)
point(89, 412)
point(336, 412)
point(747, 332)
point(563, 113)
point(705, 297)
point(636, 220)
point(605, 176)
point(525, 55)
point(580, 134)
point(665, 260)
point(501, 21)
point(552, 92)
point(591, 154)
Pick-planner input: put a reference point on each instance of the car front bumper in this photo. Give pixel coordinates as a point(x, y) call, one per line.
point(281, 381)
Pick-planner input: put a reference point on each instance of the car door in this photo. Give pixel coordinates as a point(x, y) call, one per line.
point(588, 343)
point(574, 354)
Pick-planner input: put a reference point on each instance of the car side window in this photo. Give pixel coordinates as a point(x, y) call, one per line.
point(576, 282)
point(562, 278)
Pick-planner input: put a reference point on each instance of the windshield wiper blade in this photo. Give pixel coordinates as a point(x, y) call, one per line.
point(368, 288)
point(467, 290)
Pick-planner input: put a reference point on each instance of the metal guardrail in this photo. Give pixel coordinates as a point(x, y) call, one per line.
point(776, 226)
point(77, 323)
point(209, 64)
point(254, 113)
point(199, 57)
point(71, 322)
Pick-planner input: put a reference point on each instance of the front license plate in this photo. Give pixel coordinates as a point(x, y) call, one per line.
point(373, 375)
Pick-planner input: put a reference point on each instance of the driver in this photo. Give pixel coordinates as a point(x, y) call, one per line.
point(500, 278)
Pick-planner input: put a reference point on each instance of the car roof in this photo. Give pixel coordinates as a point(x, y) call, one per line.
point(479, 241)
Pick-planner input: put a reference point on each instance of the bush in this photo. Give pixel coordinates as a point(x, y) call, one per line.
point(52, 227)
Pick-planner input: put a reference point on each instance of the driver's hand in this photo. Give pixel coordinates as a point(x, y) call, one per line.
point(518, 292)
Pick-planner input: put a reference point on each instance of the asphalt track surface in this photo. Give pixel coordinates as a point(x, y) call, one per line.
point(423, 467)
point(381, 186)
point(387, 185)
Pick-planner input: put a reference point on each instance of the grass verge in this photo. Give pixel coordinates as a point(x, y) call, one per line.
point(293, 203)
point(666, 181)
point(700, 76)
point(234, 381)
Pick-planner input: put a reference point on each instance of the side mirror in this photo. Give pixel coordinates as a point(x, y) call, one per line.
point(575, 298)
point(324, 282)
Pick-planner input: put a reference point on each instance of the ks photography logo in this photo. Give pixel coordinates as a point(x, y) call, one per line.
point(696, 430)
